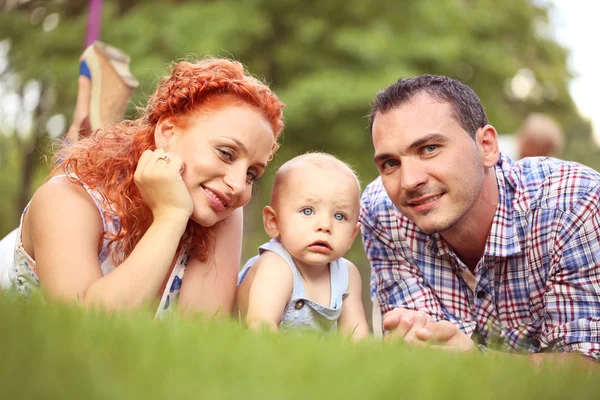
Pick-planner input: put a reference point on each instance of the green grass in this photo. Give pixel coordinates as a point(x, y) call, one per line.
point(59, 352)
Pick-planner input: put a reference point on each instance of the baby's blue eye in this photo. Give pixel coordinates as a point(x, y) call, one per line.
point(307, 211)
point(339, 217)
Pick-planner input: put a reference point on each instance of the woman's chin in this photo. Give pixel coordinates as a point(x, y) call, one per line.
point(208, 218)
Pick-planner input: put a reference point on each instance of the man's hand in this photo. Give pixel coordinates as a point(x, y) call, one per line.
point(403, 324)
point(446, 335)
point(418, 329)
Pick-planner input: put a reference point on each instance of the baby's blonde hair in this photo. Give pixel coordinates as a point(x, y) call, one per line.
point(320, 159)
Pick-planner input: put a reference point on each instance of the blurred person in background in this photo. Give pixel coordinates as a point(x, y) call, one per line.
point(104, 87)
point(137, 204)
point(469, 248)
point(540, 136)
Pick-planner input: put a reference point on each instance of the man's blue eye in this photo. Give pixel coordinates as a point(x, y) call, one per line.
point(339, 217)
point(430, 148)
point(389, 164)
point(307, 211)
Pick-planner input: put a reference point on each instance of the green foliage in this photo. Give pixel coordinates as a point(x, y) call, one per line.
point(59, 352)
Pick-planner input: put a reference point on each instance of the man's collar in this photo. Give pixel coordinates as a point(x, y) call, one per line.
point(503, 240)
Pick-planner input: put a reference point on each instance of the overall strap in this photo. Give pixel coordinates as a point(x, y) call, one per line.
point(339, 281)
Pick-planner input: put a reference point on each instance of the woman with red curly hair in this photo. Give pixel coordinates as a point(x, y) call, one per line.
point(151, 208)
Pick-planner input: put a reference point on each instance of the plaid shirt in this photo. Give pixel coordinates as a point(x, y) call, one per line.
point(537, 286)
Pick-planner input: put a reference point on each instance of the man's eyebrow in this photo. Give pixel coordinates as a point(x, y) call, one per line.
point(432, 137)
point(381, 157)
point(244, 149)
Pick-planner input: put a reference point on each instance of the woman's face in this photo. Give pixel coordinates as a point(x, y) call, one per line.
point(223, 151)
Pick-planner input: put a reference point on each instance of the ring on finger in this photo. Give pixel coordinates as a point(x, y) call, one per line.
point(165, 157)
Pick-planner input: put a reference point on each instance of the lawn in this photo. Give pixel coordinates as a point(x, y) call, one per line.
point(59, 352)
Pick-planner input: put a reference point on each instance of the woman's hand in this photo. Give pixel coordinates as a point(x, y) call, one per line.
point(158, 178)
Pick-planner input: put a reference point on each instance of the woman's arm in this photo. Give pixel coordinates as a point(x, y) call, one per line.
point(209, 287)
point(63, 228)
point(352, 321)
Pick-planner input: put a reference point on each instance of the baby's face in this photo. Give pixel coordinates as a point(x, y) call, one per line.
point(317, 213)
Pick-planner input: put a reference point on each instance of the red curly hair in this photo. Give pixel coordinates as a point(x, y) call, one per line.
point(108, 158)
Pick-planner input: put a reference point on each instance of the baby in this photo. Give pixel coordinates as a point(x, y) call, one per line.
point(299, 279)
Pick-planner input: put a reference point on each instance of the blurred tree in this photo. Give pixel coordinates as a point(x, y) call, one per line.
point(326, 60)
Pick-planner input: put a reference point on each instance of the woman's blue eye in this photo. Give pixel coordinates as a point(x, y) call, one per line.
point(339, 217)
point(307, 211)
point(251, 177)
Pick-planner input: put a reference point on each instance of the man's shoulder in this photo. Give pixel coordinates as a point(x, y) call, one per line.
point(553, 183)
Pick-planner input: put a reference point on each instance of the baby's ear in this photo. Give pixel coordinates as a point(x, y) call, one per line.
point(356, 230)
point(270, 222)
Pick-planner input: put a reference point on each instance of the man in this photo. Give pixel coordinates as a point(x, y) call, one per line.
point(465, 245)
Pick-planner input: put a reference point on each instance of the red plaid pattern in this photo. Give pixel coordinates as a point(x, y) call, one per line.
point(537, 286)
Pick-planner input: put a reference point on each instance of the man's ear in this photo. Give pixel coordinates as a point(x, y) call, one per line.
point(164, 132)
point(270, 222)
point(487, 142)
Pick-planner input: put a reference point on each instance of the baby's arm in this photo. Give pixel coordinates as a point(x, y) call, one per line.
point(352, 320)
point(270, 291)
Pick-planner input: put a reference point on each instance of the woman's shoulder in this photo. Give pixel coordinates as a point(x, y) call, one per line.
point(60, 189)
point(60, 209)
point(64, 198)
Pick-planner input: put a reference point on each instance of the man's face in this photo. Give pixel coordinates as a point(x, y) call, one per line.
point(431, 168)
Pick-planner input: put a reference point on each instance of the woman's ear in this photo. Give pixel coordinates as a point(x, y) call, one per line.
point(164, 132)
point(270, 222)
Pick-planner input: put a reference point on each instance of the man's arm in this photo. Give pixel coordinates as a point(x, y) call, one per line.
point(571, 315)
point(540, 359)
point(572, 297)
point(447, 336)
